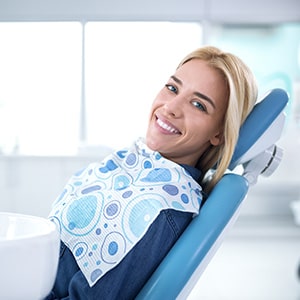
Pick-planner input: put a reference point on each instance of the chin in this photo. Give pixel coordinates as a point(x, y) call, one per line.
point(151, 144)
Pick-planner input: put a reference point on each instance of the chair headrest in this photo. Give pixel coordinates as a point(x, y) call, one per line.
point(254, 137)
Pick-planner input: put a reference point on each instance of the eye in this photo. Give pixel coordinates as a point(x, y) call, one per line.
point(199, 105)
point(171, 88)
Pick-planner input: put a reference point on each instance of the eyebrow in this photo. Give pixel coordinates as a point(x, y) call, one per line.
point(198, 94)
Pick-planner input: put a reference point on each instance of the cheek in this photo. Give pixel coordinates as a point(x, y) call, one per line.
point(155, 104)
point(203, 129)
point(151, 114)
point(161, 97)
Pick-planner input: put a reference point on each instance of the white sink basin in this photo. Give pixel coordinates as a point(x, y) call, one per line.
point(29, 250)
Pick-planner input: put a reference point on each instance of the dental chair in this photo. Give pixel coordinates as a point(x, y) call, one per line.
point(257, 154)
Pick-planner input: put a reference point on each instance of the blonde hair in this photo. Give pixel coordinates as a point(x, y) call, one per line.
point(242, 95)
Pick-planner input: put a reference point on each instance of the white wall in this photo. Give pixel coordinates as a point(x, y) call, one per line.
point(29, 184)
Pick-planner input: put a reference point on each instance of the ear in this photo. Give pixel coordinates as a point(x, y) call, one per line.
point(217, 139)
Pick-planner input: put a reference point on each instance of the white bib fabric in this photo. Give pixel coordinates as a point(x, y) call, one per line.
point(107, 208)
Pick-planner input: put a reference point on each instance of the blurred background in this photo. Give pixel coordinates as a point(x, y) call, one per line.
point(77, 79)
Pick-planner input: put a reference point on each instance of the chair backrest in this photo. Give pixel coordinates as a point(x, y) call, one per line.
point(184, 264)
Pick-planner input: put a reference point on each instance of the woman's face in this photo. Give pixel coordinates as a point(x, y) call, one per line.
point(188, 113)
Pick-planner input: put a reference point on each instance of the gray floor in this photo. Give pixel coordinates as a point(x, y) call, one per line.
point(258, 260)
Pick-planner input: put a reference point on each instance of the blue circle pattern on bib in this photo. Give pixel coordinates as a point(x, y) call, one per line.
point(106, 208)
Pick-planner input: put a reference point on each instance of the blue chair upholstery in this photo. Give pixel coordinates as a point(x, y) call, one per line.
point(181, 268)
point(260, 119)
point(198, 240)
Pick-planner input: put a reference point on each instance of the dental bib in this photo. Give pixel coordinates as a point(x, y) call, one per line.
point(107, 208)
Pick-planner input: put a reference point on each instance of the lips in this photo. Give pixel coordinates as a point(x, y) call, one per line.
point(167, 126)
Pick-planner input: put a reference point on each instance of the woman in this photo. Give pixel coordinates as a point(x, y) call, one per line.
point(149, 193)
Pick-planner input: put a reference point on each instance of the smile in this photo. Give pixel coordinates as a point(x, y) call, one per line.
point(167, 127)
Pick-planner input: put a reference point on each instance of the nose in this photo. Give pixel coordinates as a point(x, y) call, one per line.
point(174, 107)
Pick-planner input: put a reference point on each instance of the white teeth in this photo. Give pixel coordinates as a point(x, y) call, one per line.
point(166, 126)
